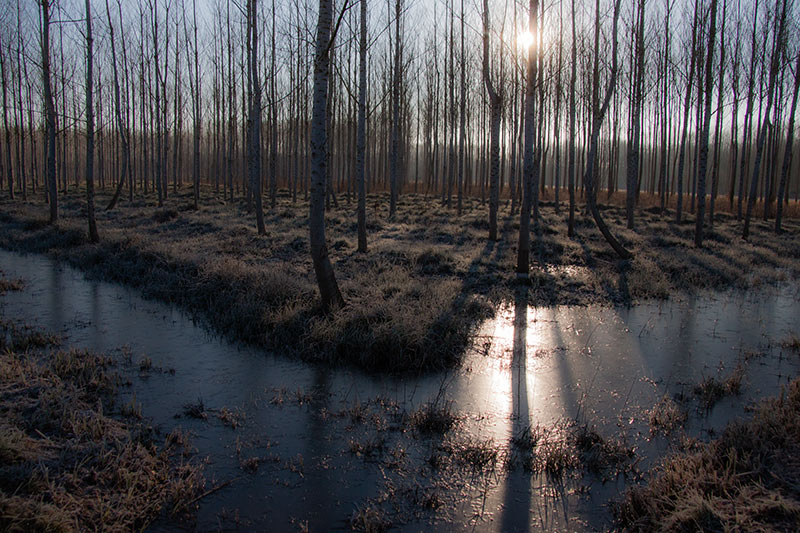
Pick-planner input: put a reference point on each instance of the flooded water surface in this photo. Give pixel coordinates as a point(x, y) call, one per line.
point(327, 449)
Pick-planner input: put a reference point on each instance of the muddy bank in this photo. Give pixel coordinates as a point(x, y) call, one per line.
point(415, 298)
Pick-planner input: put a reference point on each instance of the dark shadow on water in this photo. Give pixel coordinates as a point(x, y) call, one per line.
point(517, 502)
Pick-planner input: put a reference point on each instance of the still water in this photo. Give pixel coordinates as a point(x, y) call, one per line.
point(317, 446)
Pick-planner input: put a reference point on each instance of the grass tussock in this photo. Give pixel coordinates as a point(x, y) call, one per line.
point(712, 389)
point(566, 449)
point(433, 418)
point(746, 480)
point(415, 298)
point(23, 337)
point(667, 416)
point(66, 464)
point(792, 342)
point(7, 285)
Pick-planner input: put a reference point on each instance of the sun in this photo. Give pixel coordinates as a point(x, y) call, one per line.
point(525, 40)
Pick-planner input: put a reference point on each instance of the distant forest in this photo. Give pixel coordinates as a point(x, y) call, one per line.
point(173, 84)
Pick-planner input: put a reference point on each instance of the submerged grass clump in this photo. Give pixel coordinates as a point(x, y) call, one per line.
point(792, 342)
point(23, 337)
point(711, 390)
point(667, 416)
point(566, 449)
point(66, 465)
point(433, 418)
point(746, 480)
point(7, 285)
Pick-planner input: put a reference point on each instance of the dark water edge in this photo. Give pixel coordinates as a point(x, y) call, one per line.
point(310, 428)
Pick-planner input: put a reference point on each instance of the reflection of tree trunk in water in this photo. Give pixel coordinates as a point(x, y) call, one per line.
point(588, 179)
point(517, 512)
point(315, 439)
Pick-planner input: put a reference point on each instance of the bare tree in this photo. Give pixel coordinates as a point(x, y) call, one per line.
point(93, 236)
point(709, 89)
point(687, 104)
point(121, 129)
point(50, 114)
point(636, 113)
point(361, 136)
point(196, 110)
point(524, 245)
point(571, 148)
point(777, 50)
point(787, 153)
point(326, 279)
point(9, 168)
point(254, 118)
point(394, 156)
point(597, 122)
point(720, 111)
point(496, 106)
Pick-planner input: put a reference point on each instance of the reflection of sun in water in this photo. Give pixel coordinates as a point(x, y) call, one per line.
point(525, 40)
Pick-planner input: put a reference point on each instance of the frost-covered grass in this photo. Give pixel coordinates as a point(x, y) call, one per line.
point(746, 480)
point(71, 459)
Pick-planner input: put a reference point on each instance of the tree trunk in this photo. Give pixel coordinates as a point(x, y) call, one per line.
point(524, 246)
point(326, 279)
point(495, 103)
point(254, 121)
point(361, 140)
point(762, 134)
point(787, 152)
point(121, 130)
point(588, 179)
point(9, 168)
point(571, 148)
point(93, 237)
point(395, 150)
point(703, 163)
point(50, 115)
point(686, 108)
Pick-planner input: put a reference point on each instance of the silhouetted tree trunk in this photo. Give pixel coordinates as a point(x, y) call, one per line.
point(121, 129)
point(687, 105)
point(361, 141)
point(524, 245)
point(254, 120)
point(93, 237)
point(50, 115)
point(496, 106)
point(326, 279)
point(720, 111)
point(9, 168)
point(787, 153)
point(571, 148)
point(196, 112)
point(709, 89)
point(394, 156)
point(762, 134)
point(636, 118)
point(748, 112)
point(463, 126)
point(588, 179)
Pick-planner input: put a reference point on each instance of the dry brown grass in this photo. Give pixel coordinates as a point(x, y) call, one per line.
point(10, 284)
point(66, 464)
point(747, 480)
point(416, 297)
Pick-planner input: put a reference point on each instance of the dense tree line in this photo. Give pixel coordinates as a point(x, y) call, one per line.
point(692, 102)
